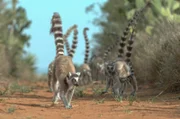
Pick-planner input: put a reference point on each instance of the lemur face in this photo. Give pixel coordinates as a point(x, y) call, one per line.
point(74, 78)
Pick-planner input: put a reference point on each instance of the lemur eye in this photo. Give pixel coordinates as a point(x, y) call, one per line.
point(74, 80)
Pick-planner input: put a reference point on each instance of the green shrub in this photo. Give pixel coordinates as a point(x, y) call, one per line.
point(156, 59)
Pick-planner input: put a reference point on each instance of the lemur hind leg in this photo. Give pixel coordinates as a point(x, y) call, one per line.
point(56, 91)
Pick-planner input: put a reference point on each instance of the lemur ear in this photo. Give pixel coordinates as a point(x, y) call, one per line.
point(78, 73)
point(69, 74)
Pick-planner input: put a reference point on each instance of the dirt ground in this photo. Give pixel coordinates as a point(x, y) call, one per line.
point(37, 105)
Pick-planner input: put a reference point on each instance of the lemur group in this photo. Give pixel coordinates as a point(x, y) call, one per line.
point(62, 74)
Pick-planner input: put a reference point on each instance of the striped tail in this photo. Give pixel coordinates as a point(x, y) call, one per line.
point(109, 49)
point(74, 44)
point(125, 34)
point(131, 67)
point(56, 28)
point(131, 39)
point(66, 35)
point(132, 22)
point(87, 45)
point(129, 46)
point(129, 50)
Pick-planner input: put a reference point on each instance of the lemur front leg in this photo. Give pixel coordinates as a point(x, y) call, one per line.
point(108, 84)
point(134, 85)
point(69, 96)
point(64, 100)
point(122, 88)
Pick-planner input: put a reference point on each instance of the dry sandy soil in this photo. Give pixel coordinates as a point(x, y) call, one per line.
point(37, 105)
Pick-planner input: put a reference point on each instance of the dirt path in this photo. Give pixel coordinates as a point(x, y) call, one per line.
point(37, 105)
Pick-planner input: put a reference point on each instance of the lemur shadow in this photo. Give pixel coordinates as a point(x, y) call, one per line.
point(140, 96)
point(107, 96)
point(30, 96)
point(149, 109)
point(37, 105)
point(152, 109)
point(171, 107)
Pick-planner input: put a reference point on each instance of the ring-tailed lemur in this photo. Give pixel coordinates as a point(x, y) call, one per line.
point(65, 36)
point(85, 77)
point(121, 70)
point(65, 77)
point(101, 66)
point(107, 66)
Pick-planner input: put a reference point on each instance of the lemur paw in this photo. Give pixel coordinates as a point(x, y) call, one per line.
point(68, 106)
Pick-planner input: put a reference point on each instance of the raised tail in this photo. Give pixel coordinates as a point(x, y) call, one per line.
point(109, 49)
point(87, 45)
point(67, 35)
point(74, 44)
point(56, 28)
point(132, 22)
point(129, 46)
point(124, 36)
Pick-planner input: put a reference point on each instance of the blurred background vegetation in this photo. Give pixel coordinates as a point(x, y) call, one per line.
point(156, 53)
point(15, 62)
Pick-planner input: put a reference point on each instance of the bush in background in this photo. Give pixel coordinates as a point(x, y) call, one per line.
point(156, 59)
